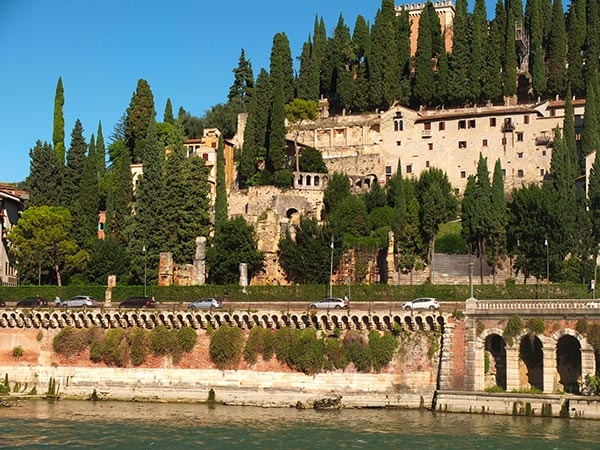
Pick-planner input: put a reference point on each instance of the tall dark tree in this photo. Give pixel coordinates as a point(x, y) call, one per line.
point(510, 60)
point(119, 201)
point(221, 212)
point(307, 90)
point(384, 58)
point(338, 188)
point(491, 80)
point(172, 197)
point(536, 60)
point(139, 115)
point(76, 158)
point(576, 41)
point(592, 42)
point(497, 244)
point(341, 58)
point(479, 36)
point(243, 80)
point(147, 241)
point(85, 223)
point(423, 81)
point(557, 51)
point(569, 137)
point(590, 134)
point(235, 243)
point(281, 66)
point(317, 56)
point(275, 157)
point(42, 184)
point(460, 77)
point(58, 130)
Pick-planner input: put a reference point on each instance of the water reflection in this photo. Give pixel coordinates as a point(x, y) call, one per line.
point(79, 424)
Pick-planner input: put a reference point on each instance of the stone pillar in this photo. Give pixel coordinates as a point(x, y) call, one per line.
point(512, 368)
point(588, 362)
point(390, 261)
point(549, 369)
point(200, 262)
point(243, 276)
point(165, 269)
point(445, 375)
point(473, 359)
point(111, 283)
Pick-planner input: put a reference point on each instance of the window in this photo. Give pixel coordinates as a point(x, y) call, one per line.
point(492, 121)
point(463, 174)
point(462, 144)
point(205, 156)
point(520, 173)
point(427, 164)
point(398, 143)
point(442, 126)
point(520, 137)
point(398, 125)
point(462, 124)
point(552, 112)
point(388, 172)
point(520, 155)
point(542, 172)
point(471, 123)
point(409, 168)
point(484, 143)
point(503, 141)
point(503, 173)
point(430, 146)
point(543, 152)
point(525, 119)
point(427, 126)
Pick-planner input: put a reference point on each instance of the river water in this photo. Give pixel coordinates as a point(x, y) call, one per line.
point(65, 424)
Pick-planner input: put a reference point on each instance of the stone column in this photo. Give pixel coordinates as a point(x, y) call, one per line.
point(588, 362)
point(445, 375)
point(512, 368)
point(244, 276)
point(200, 262)
point(473, 358)
point(549, 352)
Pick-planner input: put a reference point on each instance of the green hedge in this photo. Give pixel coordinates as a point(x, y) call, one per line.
point(305, 293)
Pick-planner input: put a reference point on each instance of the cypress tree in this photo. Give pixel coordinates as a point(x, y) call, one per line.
point(275, 157)
point(491, 82)
point(497, 245)
point(483, 206)
point(592, 43)
point(384, 58)
point(342, 57)
point(172, 196)
point(557, 51)
point(281, 68)
point(85, 222)
point(221, 213)
point(536, 60)
point(396, 183)
point(590, 134)
point(168, 114)
point(119, 200)
point(100, 152)
point(576, 40)
point(76, 157)
point(510, 57)
point(318, 54)
point(460, 75)
point(139, 114)
point(423, 81)
point(441, 85)
point(43, 184)
point(58, 130)
point(305, 76)
point(147, 232)
point(403, 42)
point(569, 137)
point(361, 44)
point(468, 216)
point(594, 198)
point(479, 39)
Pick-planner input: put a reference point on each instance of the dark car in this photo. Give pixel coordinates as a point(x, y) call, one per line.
point(33, 302)
point(2, 303)
point(138, 302)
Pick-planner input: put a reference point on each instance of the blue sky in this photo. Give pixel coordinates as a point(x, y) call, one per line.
point(186, 50)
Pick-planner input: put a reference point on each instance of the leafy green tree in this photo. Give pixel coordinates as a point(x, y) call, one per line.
point(43, 182)
point(108, 257)
point(305, 254)
point(193, 126)
point(235, 242)
point(375, 197)
point(338, 188)
point(139, 115)
point(296, 112)
point(350, 217)
point(41, 239)
point(58, 130)
point(243, 80)
point(224, 117)
point(311, 160)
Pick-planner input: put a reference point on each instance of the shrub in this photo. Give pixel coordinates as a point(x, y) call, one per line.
point(226, 346)
point(17, 351)
point(268, 344)
point(69, 341)
point(382, 348)
point(283, 342)
point(39, 336)
point(334, 351)
point(162, 341)
point(307, 352)
point(139, 345)
point(96, 351)
point(536, 325)
point(513, 328)
point(115, 350)
point(187, 338)
point(358, 351)
point(254, 345)
point(283, 178)
point(492, 389)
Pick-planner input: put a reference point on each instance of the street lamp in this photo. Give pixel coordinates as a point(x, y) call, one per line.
point(471, 278)
point(145, 266)
point(547, 270)
point(331, 271)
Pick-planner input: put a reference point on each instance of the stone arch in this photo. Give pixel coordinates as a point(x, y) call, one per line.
point(531, 361)
point(317, 180)
point(569, 363)
point(491, 343)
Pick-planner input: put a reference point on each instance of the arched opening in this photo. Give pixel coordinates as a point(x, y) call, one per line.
point(317, 180)
point(568, 363)
point(495, 361)
point(531, 362)
point(308, 180)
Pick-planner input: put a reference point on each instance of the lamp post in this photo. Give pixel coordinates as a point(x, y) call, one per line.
point(331, 271)
point(145, 266)
point(547, 270)
point(471, 279)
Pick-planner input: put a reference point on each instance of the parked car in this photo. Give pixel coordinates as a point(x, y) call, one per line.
point(32, 302)
point(330, 303)
point(424, 303)
point(79, 301)
point(138, 302)
point(206, 303)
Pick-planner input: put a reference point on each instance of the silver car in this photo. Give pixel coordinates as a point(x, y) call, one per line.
point(423, 303)
point(79, 301)
point(205, 303)
point(330, 303)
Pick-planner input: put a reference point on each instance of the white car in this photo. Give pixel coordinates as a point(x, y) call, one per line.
point(79, 301)
point(424, 303)
point(330, 303)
